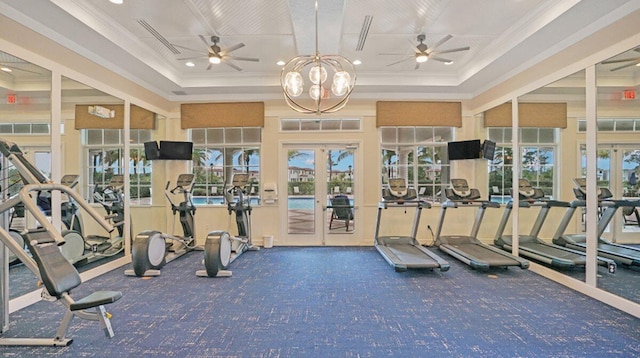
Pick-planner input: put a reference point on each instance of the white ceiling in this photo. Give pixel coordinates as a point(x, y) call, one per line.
point(505, 37)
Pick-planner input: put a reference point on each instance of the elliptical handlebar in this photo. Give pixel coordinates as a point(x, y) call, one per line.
point(183, 186)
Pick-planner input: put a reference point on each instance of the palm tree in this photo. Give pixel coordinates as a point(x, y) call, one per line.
point(342, 154)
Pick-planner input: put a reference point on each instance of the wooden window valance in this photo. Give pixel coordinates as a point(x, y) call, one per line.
point(216, 115)
point(403, 113)
point(140, 118)
point(536, 115)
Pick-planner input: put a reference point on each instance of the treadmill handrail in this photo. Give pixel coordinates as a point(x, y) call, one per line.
point(484, 203)
point(404, 204)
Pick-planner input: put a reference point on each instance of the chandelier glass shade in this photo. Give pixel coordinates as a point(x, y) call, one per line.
point(327, 80)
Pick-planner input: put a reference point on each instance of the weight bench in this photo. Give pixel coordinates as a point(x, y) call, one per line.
point(59, 277)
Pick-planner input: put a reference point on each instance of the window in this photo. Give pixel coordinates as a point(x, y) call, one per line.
point(220, 152)
point(104, 148)
point(319, 124)
point(538, 151)
point(612, 125)
point(25, 128)
point(418, 154)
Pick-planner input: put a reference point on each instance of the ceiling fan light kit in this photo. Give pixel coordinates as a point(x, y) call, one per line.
point(324, 96)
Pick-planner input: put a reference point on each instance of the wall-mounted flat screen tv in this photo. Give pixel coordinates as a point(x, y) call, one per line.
point(170, 150)
point(466, 149)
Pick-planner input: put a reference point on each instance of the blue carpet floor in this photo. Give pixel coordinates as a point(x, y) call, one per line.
point(336, 302)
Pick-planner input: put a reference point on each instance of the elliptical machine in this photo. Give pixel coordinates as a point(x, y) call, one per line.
point(221, 248)
point(151, 250)
point(82, 248)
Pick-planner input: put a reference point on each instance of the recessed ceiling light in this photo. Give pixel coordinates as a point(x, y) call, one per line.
point(117, 1)
point(5, 69)
point(357, 62)
point(190, 64)
point(280, 63)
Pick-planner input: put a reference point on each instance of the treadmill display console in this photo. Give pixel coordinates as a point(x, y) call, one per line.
point(460, 187)
point(398, 187)
point(581, 184)
point(525, 188)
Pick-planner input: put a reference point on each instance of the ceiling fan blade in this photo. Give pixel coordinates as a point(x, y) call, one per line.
point(233, 66)
point(205, 43)
point(436, 58)
point(234, 47)
point(243, 58)
point(443, 40)
point(191, 58)
point(466, 48)
point(627, 65)
point(403, 60)
point(620, 61)
point(185, 48)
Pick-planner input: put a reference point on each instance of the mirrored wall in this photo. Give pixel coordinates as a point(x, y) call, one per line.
point(93, 160)
point(25, 119)
point(618, 168)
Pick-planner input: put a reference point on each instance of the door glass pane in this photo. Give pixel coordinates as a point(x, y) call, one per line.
point(301, 191)
point(340, 178)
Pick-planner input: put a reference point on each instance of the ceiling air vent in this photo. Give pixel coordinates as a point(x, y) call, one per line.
point(179, 93)
point(364, 32)
point(157, 35)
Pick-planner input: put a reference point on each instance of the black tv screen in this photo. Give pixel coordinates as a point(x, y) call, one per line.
point(151, 150)
point(466, 149)
point(488, 149)
point(170, 150)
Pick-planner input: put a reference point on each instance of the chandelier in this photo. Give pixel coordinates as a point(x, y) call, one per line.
point(317, 83)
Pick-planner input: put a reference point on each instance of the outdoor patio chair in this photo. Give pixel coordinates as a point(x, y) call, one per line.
point(342, 211)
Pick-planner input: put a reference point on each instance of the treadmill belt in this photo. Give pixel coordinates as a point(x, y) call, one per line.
point(553, 252)
point(410, 255)
point(479, 253)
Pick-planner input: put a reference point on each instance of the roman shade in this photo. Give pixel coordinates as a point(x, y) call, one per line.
point(211, 115)
point(406, 113)
point(537, 115)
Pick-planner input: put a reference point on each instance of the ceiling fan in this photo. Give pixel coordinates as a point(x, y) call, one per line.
point(424, 52)
point(634, 61)
point(216, 54)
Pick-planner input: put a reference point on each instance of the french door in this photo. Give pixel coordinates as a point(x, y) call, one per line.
point(320, 207)
point(617, 166)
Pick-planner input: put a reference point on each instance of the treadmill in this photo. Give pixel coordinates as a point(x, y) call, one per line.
point(531, 246)
point(621, 254)
point(404, 252)
point(467, 248)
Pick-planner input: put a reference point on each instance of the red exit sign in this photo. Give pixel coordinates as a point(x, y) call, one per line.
point(11, 99)
point(628, 94)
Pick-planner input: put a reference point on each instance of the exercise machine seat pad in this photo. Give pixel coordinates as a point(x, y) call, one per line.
point(96, 299)
point(57, 273)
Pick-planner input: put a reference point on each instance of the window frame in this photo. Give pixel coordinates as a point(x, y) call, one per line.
point(139, 166)
point(228, 142)
point(530, 162)
point(421, 144)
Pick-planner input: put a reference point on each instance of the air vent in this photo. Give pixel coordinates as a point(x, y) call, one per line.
point(157, 35)
point(179, 93)
point(364, 32)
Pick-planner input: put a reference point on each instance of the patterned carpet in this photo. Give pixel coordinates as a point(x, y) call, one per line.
point(336, 302)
